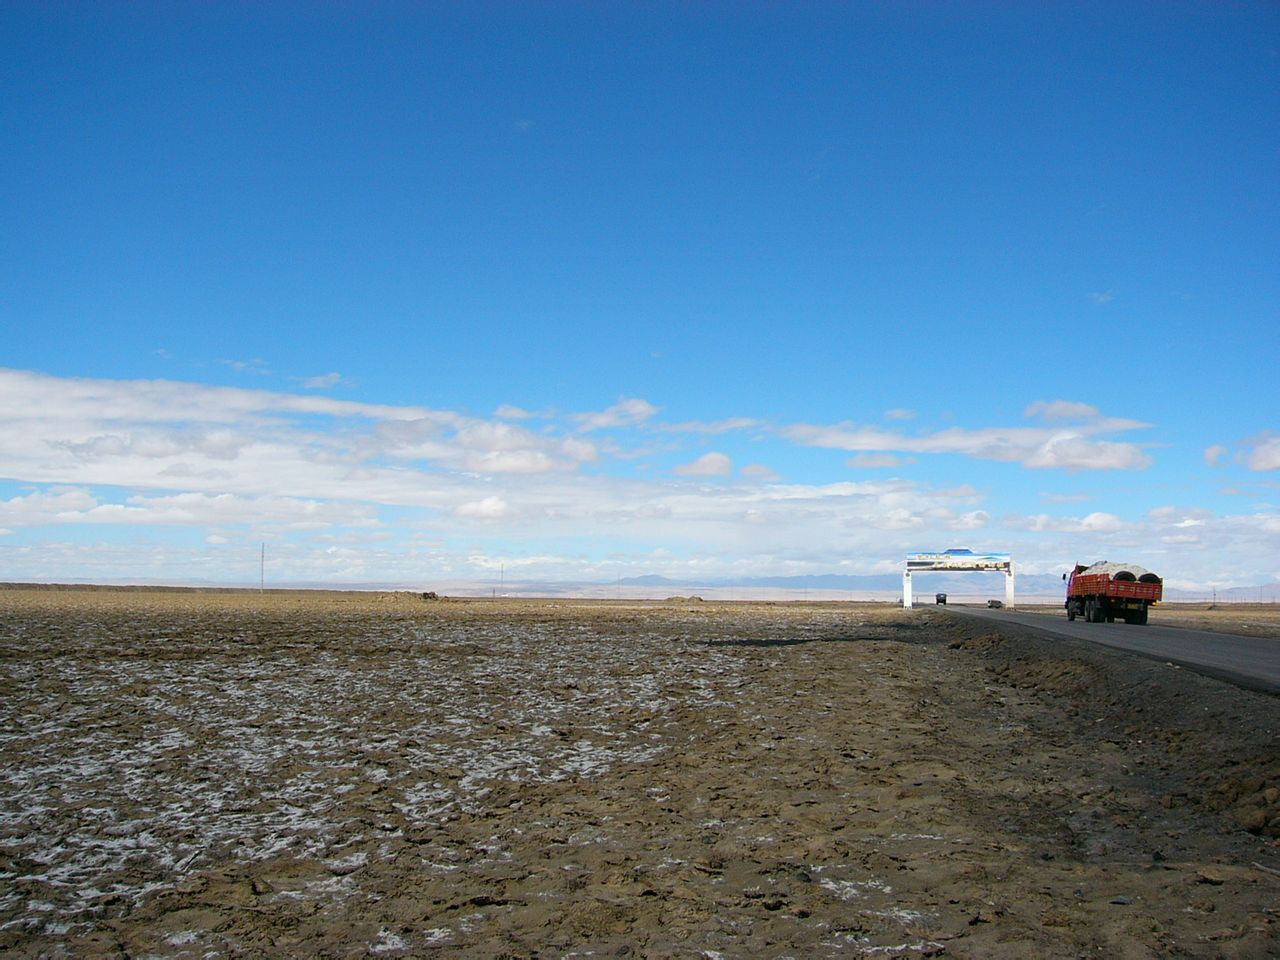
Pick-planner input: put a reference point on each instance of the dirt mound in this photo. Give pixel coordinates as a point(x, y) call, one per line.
point(1217, 745)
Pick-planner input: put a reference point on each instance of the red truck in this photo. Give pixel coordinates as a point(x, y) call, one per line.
point(1104, 591)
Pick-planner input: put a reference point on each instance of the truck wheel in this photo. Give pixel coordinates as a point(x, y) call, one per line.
point(1071, 612)
point(1140, 618)
point(1099, 613)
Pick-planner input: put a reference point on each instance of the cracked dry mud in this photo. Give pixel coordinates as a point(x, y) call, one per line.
point(191, 774)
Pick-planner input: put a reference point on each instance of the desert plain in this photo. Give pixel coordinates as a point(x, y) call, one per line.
point(297, 774)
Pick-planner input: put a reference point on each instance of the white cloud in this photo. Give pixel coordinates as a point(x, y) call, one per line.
point(1061, 410)
point(73, 505)
point(1074, 452)
point(577, 449)
point(973, 520)
point(624, 413)
point(758, 471)
point(712, 427)
point(708, 465)
point(488, 447)
point(1032, 446)
point(28, 396)
point(1097, 522)
point(44, 506)
point(1265, 454)
point(490, 508)
point(254, 365)
point(203, 509)
point(323, 381)
point(1259, 454)
point(164, 435)
point(876, 461)
point(899, 413)
point(352, 490)
point(1102, 521)
point(152, 444)
point(1105, 296)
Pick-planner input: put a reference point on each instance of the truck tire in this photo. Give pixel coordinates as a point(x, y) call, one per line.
point(1140, 618)
point(1099, 611)
point(1071, 611)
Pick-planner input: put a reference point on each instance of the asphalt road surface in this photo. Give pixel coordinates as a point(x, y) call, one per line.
point(1252, 662)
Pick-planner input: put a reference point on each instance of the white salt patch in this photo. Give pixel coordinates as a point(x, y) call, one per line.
point(920, 947)
point(904, 917)
point(341, 867)
point(853, 889)
point(387, 943)
point(256, 757)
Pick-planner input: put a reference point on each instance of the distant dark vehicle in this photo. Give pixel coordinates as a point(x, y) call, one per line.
point(995, 604)
point(940, 598)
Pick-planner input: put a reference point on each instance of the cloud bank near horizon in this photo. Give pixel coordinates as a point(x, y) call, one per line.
point(349, 490)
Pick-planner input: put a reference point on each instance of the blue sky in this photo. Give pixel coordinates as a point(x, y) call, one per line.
point(414, 292)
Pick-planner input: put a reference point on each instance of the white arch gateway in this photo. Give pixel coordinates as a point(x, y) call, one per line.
point(958, 559)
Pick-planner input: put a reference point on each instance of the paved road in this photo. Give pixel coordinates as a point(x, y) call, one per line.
point(1252, 662)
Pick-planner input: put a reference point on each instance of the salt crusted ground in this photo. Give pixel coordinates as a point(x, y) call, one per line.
point(203, 774)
